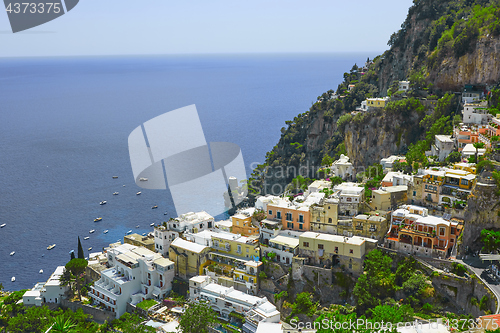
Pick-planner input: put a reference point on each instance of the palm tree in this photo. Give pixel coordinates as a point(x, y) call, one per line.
point(63, 326)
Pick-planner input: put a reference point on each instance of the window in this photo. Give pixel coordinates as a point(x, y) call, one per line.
point(248, 250)
point(300, 226)
point(301, 218)
point(239, 249)
point(329, 220)
point(328, 207)
point(348, 199)
point(210, 224)
point(270, 212)
point(464, 182)
point(320, 247)
point(290, 225)
point(278, 214)
point(306, 244)
point(351, 251)
point(289, 217)
point(414, 193)
point(336, 249)
point(442, 231)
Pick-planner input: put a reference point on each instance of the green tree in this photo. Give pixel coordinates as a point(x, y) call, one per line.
point(478, 145)
point(392, 314)
point(197, 318)
point(81, 255)
point(327, 160)
point(336, 180)
point(63, 325)
point(77, 268)
point(491, 240)
point(304, 304)
point(454, 157)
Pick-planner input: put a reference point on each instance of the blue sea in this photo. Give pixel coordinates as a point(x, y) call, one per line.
point(64, 125)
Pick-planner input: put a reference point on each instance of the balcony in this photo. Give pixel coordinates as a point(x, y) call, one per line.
point(373, 229)
point(359, 227)
point(418, 232)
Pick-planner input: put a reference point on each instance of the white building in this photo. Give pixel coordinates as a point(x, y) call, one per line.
point(318, 185)
point(224, 225)
point(350, 197)
point(363, 106)
point(137, 274)
point(476, 114)
point(404, 85)
point(469, 150)
point(224, 300)
point(268, 229)
point(343, 168)
point(471, 94)
point(285, 246)
point(49, 292)
point(442, 147)
point(163, 238)
point(192, 222)
point(262, 201)
point(396, 178)
point(388, 162)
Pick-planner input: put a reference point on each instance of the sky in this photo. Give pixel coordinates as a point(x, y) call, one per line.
point(151, 27)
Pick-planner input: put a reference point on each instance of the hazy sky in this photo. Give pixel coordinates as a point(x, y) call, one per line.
point(122, 27)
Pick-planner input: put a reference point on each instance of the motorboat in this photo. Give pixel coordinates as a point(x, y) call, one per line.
point(103, 202)
point(154, 207)
point(144, 234)
point(92, 231)
point(138, 193)
point(114, 177)
point(152, 224)
point(166, 213)
point(123, 185)
point(115, 193)
point(90, 248)
point(50, 247)
point(143, 179)
point(137, 226)
point(105, 231)
point(129, 232)
point(98, 219)
point(41, 271)
point(13, 279)
point(12, 253)
point(3, 225)
point(85, 238)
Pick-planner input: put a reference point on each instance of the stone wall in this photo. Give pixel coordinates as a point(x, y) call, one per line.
point(98, 315)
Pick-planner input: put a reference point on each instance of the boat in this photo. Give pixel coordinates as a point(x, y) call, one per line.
point(105, 231)
point(13, 279)
point(90, 248)
point(137, 226)
point(3, 225)
point(129, 232)
point(92, 231)
point(123, 185)
point(115, 193)
point(138, 193)
point(85, 238)
point(154, 207)
point(98, 219)
point(144, 234)
point(152, 224)
point(165, 213)
point(41, 271)
point(143, 179)
point(50, 247)
point(12, 253)
point(114, 177)
point(103, 202)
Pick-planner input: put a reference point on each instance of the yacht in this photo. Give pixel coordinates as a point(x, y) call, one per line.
point(41, 271)
point(152, 224)
point(166, 213)
point(114, 177)
point(103, 202)
point(13, 279)
point(50, 247)
point(129, 232)
point(90, 248)
point(105, 231)
point(137, 226)
point(98, 219)
point(85, 238)
point(3, 225)
point(12, 253)
point(144, 234)
point(143, 179)
point(115, 193)
point(154, 207)
point(138, 193)
point(92, 231)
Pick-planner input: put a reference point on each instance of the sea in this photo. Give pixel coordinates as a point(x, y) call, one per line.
point(64, 126)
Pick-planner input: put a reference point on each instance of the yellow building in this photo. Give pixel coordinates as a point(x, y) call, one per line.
point(242, 224)
point(389, 197)
point(189, 258)
point(324, 217)
point(376, 102)
point(330, 250)
point(139, 240)
point(373, 226)
point(235, 259)
point(469, 167)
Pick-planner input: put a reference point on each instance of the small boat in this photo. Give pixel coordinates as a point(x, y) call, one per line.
point(115, 193)
point(103, 202)
point(137, 226)
point(3, 225)
point(90, 248)
point(152, 224)
point(85, 238)
point(138, 193)
point(98, 219)
point(129, 232)
point(92, 231)
point(144, 234)
point(154, 207)
point(41, 271)
point(105, 231)
point(12, 253)
point(50, 247)
point(13, 279)
point(114, 177)
point(143, 179)
point(166, 213)
point(123, 185)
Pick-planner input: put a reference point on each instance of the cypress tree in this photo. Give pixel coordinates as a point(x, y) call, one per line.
point(81, 255)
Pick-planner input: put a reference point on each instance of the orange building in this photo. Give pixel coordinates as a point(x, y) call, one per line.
point(292, 215)
point(242, 224)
